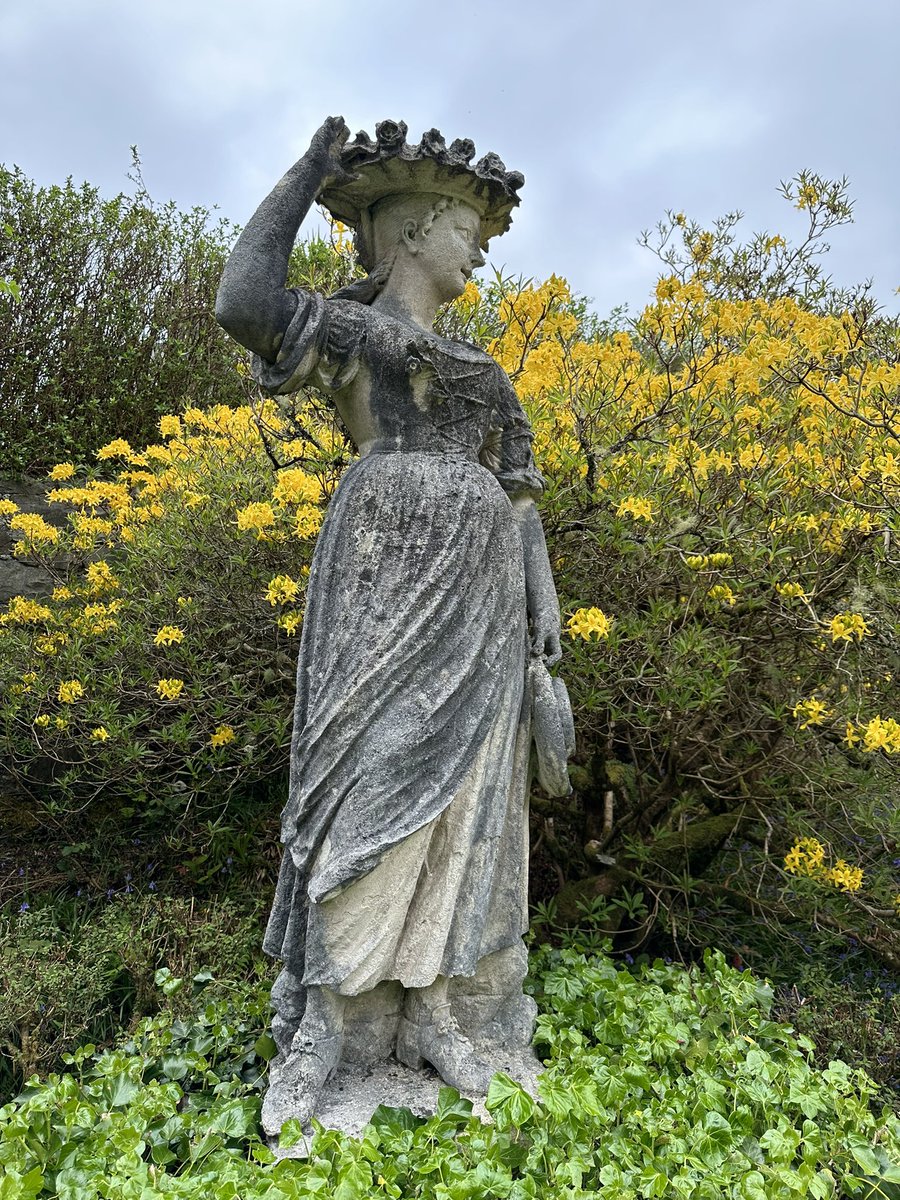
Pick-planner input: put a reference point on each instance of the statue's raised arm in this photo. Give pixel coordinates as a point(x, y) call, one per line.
point(252, 303)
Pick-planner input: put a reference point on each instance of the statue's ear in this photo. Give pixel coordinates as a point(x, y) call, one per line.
point(409, 235)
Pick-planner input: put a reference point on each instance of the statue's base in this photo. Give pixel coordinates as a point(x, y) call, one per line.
point(352, 1094)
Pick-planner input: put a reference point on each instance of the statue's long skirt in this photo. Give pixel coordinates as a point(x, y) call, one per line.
point(405, 828)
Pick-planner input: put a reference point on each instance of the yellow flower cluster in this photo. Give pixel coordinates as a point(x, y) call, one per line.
point(707, 562)
point(100, 734)
point(638, 507)
point(101, 579)
point(256, 517)
point(61, 471)
point(723, 593)
point(168, 635)
point(791, 591)
point(8, 508)
point(118, 448)
point(295, 486)
point(807, 857)
point(811, 711)
point(845, 626)
point(591, 624)
point(282, 589)
point(35, 531)
point(169, 689)
point(70, 691)
point(22, 611)
point(290, 622)
point(879, 733)
point(222, 736)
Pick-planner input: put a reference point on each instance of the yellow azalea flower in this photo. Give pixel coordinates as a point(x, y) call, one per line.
point(101, 578)
point(591, 624)
point(845, 626)
point(70, 691)
point(470, 295)
point(63, 470)
point(291, 622)
point(61, 593)
point(50, 643)
point(60, 722)
point(282, 590)
point(169, 689)
point(257, 517)
point(100, 734)
point(21, 611)
point(34, 528)
point(844, 877)
point(307, 521)
point(118, 448)
point(791, 591)
point(722, 592)
point(295, 486)
point(881, 733)
point(42, 721)
point(8, 508)
point(805, 857)
point(638, 507)
point(222, 736)
point(168, 635)
point(810, 712)
point(170, 426)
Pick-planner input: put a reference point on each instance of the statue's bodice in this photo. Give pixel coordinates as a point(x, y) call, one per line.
point(399, 388)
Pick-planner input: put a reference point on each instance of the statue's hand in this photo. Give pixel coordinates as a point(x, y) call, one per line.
point(325, 152)
point(545, 637)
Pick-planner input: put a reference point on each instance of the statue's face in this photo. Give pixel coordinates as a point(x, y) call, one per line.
point(449, 252)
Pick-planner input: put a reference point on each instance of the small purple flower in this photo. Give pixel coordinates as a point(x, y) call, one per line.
point(151, 886)
point(24, 906)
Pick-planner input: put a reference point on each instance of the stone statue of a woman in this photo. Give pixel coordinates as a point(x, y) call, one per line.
point(431, 616)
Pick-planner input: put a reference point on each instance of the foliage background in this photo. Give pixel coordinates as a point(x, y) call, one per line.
point(722, 519)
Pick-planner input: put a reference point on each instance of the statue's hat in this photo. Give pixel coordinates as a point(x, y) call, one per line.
point(389, 166)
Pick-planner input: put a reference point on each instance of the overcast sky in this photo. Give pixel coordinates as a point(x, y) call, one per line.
point(613, 111)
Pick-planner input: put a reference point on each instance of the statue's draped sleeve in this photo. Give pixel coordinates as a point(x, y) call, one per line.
point(321, 346)
point(507, 449)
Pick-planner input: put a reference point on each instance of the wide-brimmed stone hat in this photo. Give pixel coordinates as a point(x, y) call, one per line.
point(389, 166)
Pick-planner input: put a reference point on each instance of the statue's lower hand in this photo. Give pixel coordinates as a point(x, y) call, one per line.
point(545, 637)
point(325, 151)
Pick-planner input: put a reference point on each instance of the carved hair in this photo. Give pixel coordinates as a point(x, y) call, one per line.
point(382, 235)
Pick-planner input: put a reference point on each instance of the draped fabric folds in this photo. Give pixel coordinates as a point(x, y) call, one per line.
point(411, 724)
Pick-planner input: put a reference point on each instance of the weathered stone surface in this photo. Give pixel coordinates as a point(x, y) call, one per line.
point(431, 613)
point(351, 1095)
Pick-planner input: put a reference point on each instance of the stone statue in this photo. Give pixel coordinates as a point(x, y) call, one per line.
point(431, 618)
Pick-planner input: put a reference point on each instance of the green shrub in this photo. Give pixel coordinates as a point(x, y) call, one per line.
point(111, 320)
point(70, 971)
point(665, 1083)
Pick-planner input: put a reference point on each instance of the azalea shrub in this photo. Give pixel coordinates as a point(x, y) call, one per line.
point(105, 316)
point(722, 514)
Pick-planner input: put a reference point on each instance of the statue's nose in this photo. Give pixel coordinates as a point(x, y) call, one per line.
point(478, 259)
